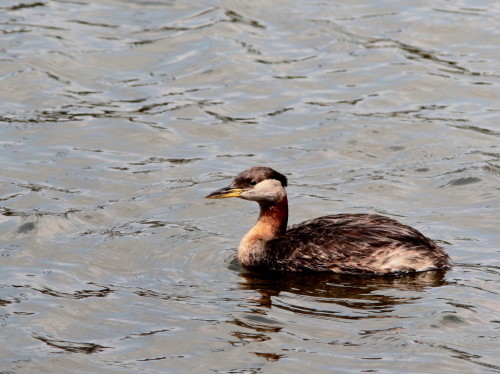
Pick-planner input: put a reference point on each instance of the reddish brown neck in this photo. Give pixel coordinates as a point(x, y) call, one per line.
point(270, 225)
point(274, 216)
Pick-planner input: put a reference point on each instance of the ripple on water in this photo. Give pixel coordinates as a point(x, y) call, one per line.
point(118, 117)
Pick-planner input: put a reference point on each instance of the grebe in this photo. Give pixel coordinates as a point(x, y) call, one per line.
point(340, 243)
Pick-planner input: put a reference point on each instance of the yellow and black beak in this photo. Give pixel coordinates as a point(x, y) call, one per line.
point(225, 192)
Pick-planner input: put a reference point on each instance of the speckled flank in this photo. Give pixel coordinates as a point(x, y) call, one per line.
point(354, 243)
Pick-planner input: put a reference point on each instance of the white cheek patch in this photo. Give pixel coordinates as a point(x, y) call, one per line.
point(267, 190)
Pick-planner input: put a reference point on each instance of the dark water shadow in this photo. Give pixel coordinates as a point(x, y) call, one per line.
point(356, 292)
point(345, 299)
point(70, 346)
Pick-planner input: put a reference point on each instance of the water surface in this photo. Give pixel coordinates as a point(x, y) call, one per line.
point(117, 117)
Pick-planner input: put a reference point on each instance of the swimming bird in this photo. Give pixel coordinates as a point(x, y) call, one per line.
point(340, 243)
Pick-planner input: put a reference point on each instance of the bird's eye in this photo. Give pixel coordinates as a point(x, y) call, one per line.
point(253, 183)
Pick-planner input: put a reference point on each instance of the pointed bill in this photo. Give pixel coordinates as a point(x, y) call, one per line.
point(225, 192)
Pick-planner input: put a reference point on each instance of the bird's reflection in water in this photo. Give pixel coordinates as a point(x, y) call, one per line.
point(345, 298)
point(358, 292)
